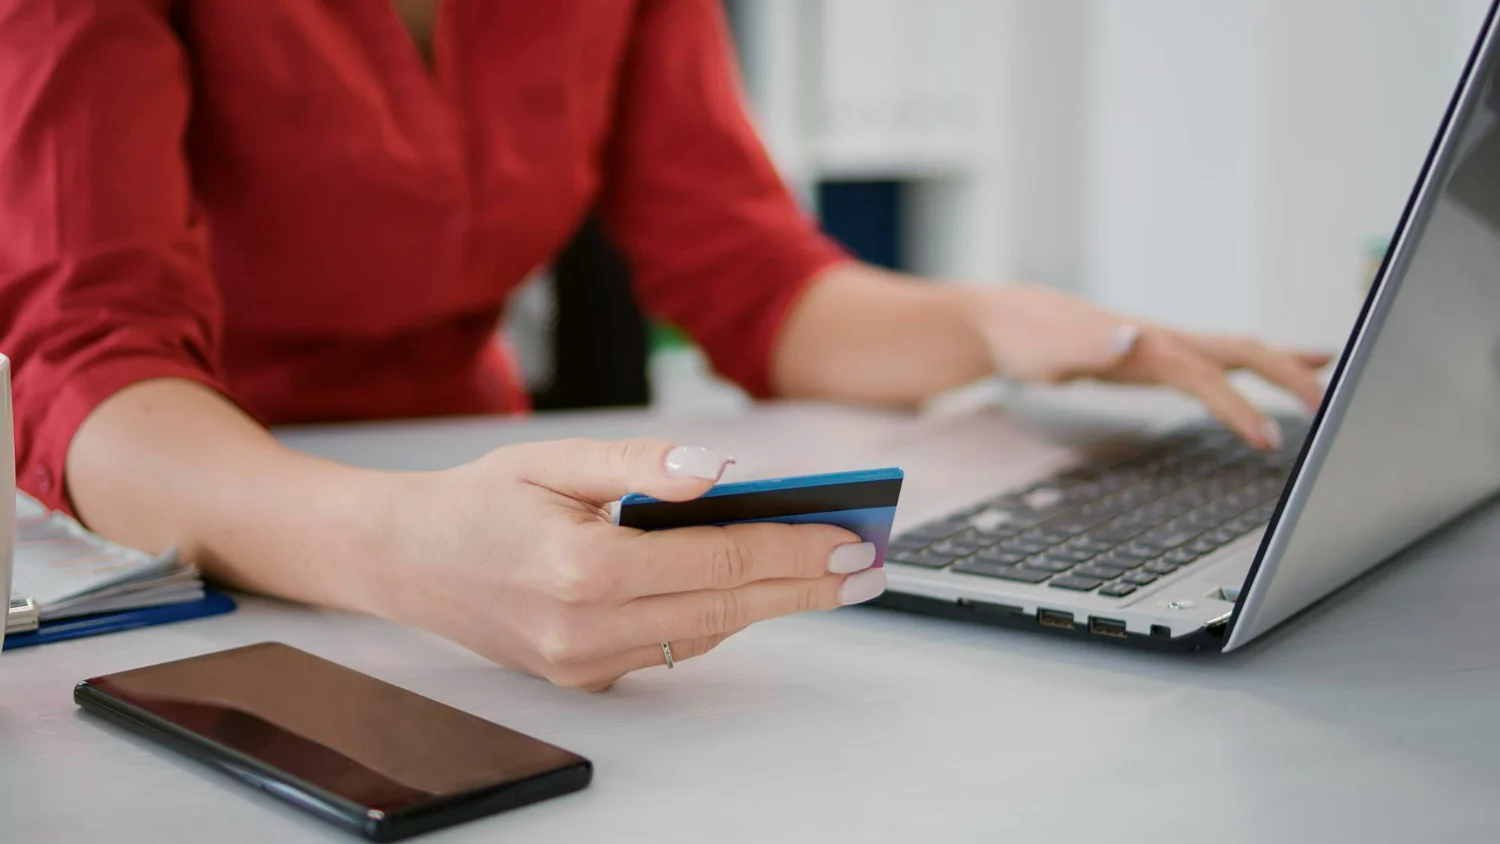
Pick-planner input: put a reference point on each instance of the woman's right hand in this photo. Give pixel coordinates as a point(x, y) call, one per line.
point(514, 556)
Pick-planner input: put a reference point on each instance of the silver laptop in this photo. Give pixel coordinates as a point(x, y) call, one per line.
point(7, 494)
point(1191, 540)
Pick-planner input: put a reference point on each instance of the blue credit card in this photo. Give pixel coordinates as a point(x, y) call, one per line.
point(862, 502)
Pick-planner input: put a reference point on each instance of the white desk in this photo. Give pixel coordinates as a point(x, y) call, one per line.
point(1373, 719)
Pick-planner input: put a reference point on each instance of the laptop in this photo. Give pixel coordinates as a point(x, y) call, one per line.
point(7, 496)
point(1189, 539)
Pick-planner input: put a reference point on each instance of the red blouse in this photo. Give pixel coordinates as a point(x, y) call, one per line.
point(279, 199)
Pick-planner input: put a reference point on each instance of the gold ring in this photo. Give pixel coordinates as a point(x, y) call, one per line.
point(666, 652)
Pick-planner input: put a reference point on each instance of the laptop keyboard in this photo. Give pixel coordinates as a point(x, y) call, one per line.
point(1110, 529)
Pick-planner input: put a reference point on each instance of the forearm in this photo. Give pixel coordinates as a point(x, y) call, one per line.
point(170, 462)
point(860, 334)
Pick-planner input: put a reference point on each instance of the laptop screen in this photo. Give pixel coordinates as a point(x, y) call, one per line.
point(7, 487)
point(1408, 439)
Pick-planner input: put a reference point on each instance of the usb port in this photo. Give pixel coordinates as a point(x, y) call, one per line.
point(1055, 618)
point(1106, 627)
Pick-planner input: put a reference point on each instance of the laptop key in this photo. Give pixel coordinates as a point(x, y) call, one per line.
point(1117, 590)
point(937, 530)
point(1123, 558)
point(1023, 574)
point(1139, 578)
point(1075, 583)
point(1144, 550)
point(1073, 524)
point(1167, 538)
point(1159, 567)
point(1047, 562)
point(1091, 544)
point(963, 544)
point(1000, 556)
point(1074, 555)
point(1201, 547)
point(1046, 536)
point(1222, 537)
point(923, 559)
point(1022, 545)
point(975, 565)
point(1180, 556)
point(1097, 572)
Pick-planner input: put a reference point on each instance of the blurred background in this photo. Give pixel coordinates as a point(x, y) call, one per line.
point(1231, 165)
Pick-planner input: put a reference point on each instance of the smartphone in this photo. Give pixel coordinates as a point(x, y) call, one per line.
point(368, 756)
point(862, 502)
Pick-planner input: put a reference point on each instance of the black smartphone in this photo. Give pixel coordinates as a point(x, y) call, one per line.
point(368, 756)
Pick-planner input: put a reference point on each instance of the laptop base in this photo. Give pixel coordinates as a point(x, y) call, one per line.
point(1205, 639)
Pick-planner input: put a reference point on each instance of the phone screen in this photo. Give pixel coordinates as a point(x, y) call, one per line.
point(353, 736)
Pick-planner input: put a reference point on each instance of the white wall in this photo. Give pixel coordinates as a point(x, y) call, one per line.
point(1045, 77)
point(1171, 159)
point(1243, 154)
point(1354, 93)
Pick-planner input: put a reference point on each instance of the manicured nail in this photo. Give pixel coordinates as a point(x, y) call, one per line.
point(695, 461)
point(1123, 338)
point(855, 556)
point(1273, 434)
point(862, 586)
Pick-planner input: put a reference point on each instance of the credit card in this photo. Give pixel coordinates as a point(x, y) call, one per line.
point(862, 502)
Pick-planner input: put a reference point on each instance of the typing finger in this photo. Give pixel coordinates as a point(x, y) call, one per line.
point(1281, 368)
point(1177, 364)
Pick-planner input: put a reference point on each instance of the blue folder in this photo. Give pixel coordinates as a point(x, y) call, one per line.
point(213, 602)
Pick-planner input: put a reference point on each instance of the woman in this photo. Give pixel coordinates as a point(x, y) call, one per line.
point(216, 215)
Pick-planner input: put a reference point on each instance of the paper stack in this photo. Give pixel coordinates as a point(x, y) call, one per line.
point(62, 570)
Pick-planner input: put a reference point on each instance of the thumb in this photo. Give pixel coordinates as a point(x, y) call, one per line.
point(600, 471)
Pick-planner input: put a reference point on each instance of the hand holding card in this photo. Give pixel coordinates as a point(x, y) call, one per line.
point(863, 502)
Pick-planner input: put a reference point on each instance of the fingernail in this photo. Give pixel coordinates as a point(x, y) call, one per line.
point(855, 556)
point(695, 461)
point(1273, 434)
point(1123, 338)
point(862, 586)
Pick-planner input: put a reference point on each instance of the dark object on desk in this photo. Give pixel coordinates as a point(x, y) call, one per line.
point(862, 502)
point(365, 755)
point(599, 338)
point(212, 603)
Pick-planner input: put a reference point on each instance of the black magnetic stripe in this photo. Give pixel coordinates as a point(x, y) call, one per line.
point(659, 515)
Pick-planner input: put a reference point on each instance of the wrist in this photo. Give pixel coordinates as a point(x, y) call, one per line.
point(377, 527)
point(961, 312)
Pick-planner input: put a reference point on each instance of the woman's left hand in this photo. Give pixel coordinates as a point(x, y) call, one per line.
point(1039, 334)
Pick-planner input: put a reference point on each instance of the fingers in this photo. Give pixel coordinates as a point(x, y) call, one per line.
point(692, 615)
point(696, 623)
point(602, 675)
point(1284, 369)
point(1169, 359)
point(717, 558)
point(599, 471)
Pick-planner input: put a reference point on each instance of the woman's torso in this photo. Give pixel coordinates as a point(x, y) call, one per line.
point(369, 211)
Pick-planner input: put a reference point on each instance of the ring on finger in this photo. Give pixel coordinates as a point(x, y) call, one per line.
point(666, 652)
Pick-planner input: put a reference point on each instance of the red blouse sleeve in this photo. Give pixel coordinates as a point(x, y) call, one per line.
point(715, 241)
point(103, 271)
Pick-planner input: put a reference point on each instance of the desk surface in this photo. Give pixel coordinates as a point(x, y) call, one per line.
point(1370, 719)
